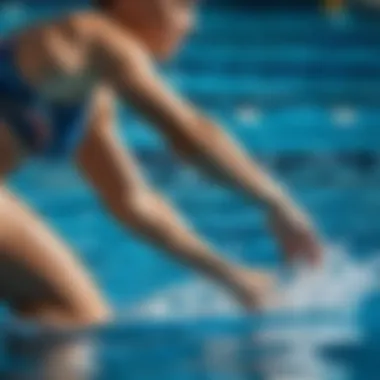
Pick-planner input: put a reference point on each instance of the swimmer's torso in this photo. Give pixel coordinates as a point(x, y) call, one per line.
point(46, 82)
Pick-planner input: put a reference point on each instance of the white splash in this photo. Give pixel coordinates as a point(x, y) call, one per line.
point(338, 285)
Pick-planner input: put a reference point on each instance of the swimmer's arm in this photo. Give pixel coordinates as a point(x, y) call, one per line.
point(113, 173)
point(127, 68)
point(132, 75)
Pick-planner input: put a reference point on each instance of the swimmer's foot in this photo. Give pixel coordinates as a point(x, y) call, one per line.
point(253, 289)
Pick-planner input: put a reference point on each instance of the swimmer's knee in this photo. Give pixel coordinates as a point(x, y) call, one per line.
point(98, 315)
point(65, 315)
point(88, 311)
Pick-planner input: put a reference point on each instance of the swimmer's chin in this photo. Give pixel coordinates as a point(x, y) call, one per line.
point(166, 53)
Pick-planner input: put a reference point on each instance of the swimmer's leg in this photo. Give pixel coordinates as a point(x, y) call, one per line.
point(41, 281)
point(39, 276)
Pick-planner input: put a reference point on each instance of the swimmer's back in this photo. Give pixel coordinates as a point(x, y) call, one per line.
point(46, 82)
point(60, 64)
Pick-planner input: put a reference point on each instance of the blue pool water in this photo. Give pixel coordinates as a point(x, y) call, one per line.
point(300, 91)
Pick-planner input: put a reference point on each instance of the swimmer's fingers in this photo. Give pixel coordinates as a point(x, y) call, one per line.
point(312, 248)
point(304, 246)
point(296, 235)
point(253, 289)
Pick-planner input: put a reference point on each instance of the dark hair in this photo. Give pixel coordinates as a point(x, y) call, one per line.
point(101, 4)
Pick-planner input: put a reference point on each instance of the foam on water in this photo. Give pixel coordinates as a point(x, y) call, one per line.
point(336, 288)
point(338, 285)
point(279, 351)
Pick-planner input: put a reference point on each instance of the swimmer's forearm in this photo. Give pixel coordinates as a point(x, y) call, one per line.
point(215, 152)
point(153, 219)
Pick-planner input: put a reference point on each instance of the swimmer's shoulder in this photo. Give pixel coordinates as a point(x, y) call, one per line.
point(82, 39)
point(86, 27)
point(101, 30)
point(110, 40)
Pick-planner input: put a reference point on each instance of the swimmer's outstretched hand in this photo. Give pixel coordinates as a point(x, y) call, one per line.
point(253, 289)
point(295, 234)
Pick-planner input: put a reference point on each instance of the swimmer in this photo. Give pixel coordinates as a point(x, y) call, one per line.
point(59, 81)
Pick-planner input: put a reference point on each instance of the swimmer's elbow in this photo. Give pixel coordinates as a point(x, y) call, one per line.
point(195, 141)
point(135, 210)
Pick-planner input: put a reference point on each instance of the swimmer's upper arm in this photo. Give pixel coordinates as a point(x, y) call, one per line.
point(101, 157)
point(130, 71)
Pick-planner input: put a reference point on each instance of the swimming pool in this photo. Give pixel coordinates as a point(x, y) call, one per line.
point(301, 92)
point(304, 341)
point(325, 326)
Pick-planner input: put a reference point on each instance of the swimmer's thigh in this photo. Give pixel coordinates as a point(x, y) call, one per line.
point(39, 277)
